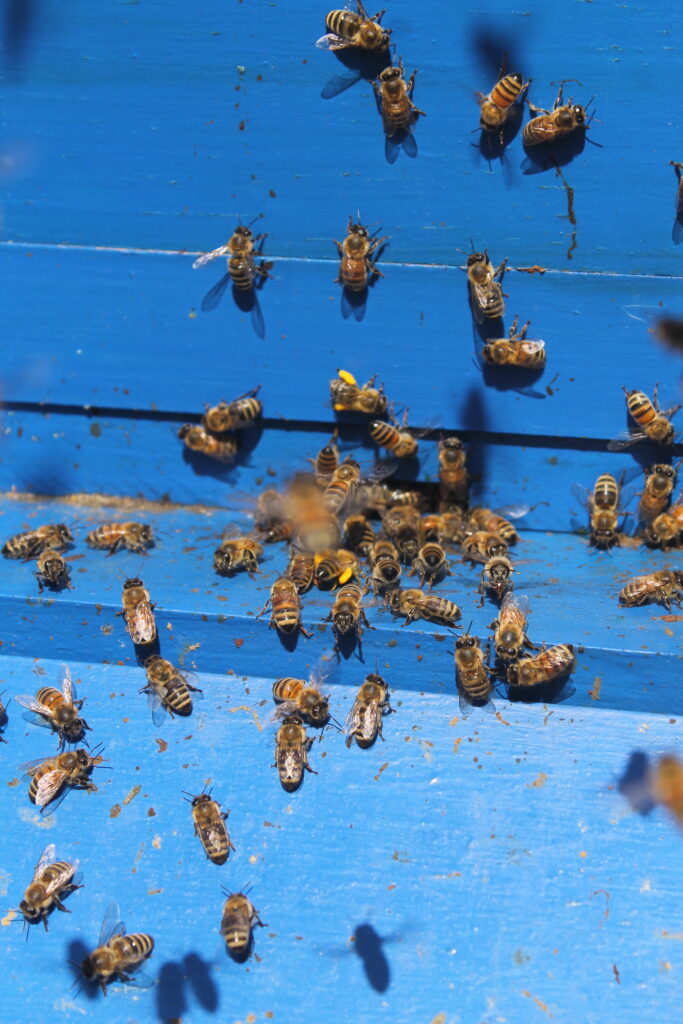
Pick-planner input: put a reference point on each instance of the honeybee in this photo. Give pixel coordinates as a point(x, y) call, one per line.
point(298, 697)
point(52, 881)
point(198, 440)
point(316, 530)
point(235, 552)
point(659, 485)
point(510, 636)
point(483, 544)
point(52, 571)
point(241, 258)
point(326, 461)
point(346, 28)
point(551, 125)
point(415, 499)
point(603, 504)
point(112, 537)
point(358, 534)
point(653, 422)
point(347, 396)
point(300, 571)
point(235, 415)
point(30, 543)
point(433, 528)
point(239, 917)
point(3, 717)
point(117, 954)
point(403, 525)
point(386, 568)
point(347, 613)
point(271, 518)
point(666, 784)
point(210, 827)
point(550, 664)
point(285, 607)
point(473, 676)
point(515, 350)
point(334, 568)
point(138, 612)
point(493, 522)
point(495, 576)
point(50, 774)
point(168, 688)
point(364, 720)
point(430, 563)
point(57, 709)
point(355, 252)
point(397, 440)
point(453, 526)
point(494, 108)
point(342, 485)
point(291, 752)
point(453, 475)
point(395, 99)
point(486, 294)
point(663, 532)
point(666, 586)
point(677, 233)
point(415, 604)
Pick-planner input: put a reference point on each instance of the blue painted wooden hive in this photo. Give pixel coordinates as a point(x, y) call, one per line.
point(469, 868)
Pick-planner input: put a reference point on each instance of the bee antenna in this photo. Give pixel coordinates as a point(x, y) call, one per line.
point(470, 626)
point(186, 794)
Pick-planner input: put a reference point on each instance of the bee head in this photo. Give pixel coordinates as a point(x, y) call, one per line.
point(30, 912)
point(184, 431)
point(579, 114)
point(477, 257)
point(679, 577)
point(243, 231)
point(390, 74)
point(64, 532)
point(463, 642)
point(146, 533)
point(151, 661)
point(132, 581)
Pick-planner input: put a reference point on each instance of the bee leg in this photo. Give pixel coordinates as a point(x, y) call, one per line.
point(258, 616)
point(534, 110)
point(304, 631)
point(41, 588)
point(195, 689)
point(339, 246)
point(116, 546)
point(60, 906)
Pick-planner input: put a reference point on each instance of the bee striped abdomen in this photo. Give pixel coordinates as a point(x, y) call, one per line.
point(606, 492)
point(506, 91)
point(133, 948)
point(641, 408)
point(241, 272)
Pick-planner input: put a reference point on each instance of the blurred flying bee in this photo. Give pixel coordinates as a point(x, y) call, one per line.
point(138, 612)
point(494, 108)
point(663, 586)
point(395, 99)
point(666, 784)
point(32, 542)
point(112, 537)
point(349, 397)
point(235, 415)
point(346, 28)
point(291, 752)
point(551, 125)
point(198, 440)
point(355, 252)
point(430, 563)
point(483, 544)
point(510, 636)
point(677, 233)
point(285, 607)
point(52, 571)
point(473, 676)
point(52, 881)
point(515, 350)
point(659, 485)
point(117, 954)
point(239, 918)
point(271, 518)
point(50, 774)
point(334, 568)
point(358, 534)
point(210, 827)
point(298, 697)
point(326, 461)
point(364, 720)
point(300, 570)
point(342, 485)
point(347, 613)
point(168, 688)
point(494, 522)
point(316, 530)
point(241, 260)
point(552, 663)
point(653, 422)
point(415, 604)
point(57, 709)
point(495, 576)
point(486, 294)
point(396, 438)
point(236, 552)
point(663, 532)
point(386, 568)
point(453, 475)
point(403, 525)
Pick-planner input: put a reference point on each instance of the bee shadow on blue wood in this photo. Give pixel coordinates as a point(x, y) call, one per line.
point(77, 951)
point(634, 783)
point(492, 147)
point(177, 979)
point(203, 465)
point(551, 155)
point(247, 301)
point(403, 139)
point(557, 691)
point(474, 417)
point(361, 65)
point(677, 230)
point(19, 24)
point(145, 651)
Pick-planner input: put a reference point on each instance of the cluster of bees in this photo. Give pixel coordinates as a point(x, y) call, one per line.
point(214, 436)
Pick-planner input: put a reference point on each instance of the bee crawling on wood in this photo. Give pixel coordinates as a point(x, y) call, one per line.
point(348, 395)
point(209, 826)
point(395, 99)
point(239, 918)
point(347, 28)
point(677, 232)
point(550, 125)
point(364, 721)
point(550, 664)
point(138, 612)
point(285, 607)
point(657, 491)
point(235, 415)
point(52, 571)
point(52, 881)
point(655, 423)
point(117, 954)
point(496, 106)
point(49, 775)
point(516, 350)
point(241, 252)
point(510, 638)
point(291, 752)
point(237, 552)
point(415, 604)
point(58, 710)
point(355, 251)
point(663, 586)
point(486, 293)
point(472, 673)
point(112, 537)
point(169, 689)
point(32, 542)
point(197, 439)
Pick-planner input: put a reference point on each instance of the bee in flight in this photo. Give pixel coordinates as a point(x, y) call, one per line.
point(118, 954)
point(291, 752)
point(516, 350)
point(52, 881)
point(32, 542)
point(551, 125)
point(112, 537)
point(52, 571)
point(348, 396)
point(663, 586)
point(239, 918)
point(654, 423)
point(210, 827)
point(364, 720)
point(168, 689)
point(496, 106)
point(355, 251)
point(57, 709)
point(486, 293)
point(51, 774)
point(241, 261)
point(347, 28)
point(235, 415)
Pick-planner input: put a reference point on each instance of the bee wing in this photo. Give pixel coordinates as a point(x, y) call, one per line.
point(287, 707)
point(140, 979)
point(48, 856)
point(380, 470)
point(207, 257)
point(331, 42)
point(479, 301)
point(49, 786)
point(582, 494)
point(645, 314)
point(625, 440)
point(677, 230)
point(467, 707)
point(191, 679)
point(231, 532)
point(520, 602)
point(31, 767)
point(63, 878)
point(66, 685)
point(156, 707)
point(31, 703)
point(111, 925)
point(353, 718)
